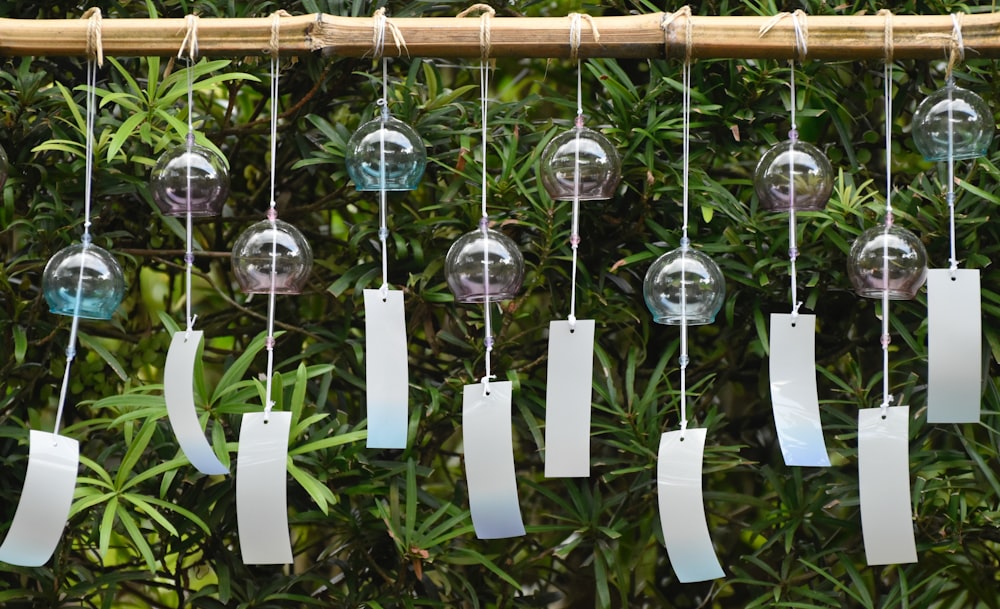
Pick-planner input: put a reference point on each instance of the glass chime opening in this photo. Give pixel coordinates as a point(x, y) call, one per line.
point(799, 163)
point(957, 112)
point(472, 280)
point(891, 247)
point(584, 153)
point(84, 280)
point(684, 286)
point(272, 251)
point(193, 175)
point(394, 141)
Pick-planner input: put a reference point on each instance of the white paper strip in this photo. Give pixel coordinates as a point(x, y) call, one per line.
point(682, 509)
point(261, 484)
point(386, 373)
point(568, 398)
point(884, 486)
point(794, 397)
point(46, 498)
point(489, 461)
point(178, 388)
point(954, 346)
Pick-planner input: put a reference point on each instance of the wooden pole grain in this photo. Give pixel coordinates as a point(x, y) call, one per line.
point(636, 36)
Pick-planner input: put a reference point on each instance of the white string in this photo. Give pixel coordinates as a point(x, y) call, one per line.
point(383, 206)
point(802, 46)
point(272, 215)
point(957, 53)
point(191, 41)
point(886, 338)
point(575, 37)
point(685, 242)
point(484, 228)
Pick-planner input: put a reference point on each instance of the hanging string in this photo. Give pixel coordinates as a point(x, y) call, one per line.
point(957, 54)
point(378, 42)
point(272, 212)
point(190, 42)
point(95, 57)
point(801, 44)
point(886, 338)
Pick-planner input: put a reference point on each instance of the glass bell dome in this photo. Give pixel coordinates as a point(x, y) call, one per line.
point(467, 275)
point(404, 153)
point(686, 279)
point(201, 168)
point(85, 280)
point(906, 258)
point(958, 112)
point(580, 158)
point(272, 245)
point(793, 160)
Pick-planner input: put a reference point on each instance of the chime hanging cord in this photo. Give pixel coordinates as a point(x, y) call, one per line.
point(379, 23)
point(272, 215)
point(801, 44)
point(95, 56)
point(191, 43)
point(887, 95)
point(957, 54)
point(685, 242)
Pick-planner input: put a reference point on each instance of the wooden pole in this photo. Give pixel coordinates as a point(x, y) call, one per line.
point(637, 36)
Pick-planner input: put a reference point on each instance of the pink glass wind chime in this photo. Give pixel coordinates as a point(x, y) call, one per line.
point(949, 125)
point(485, 266)
point(189, 180)
point(794, 176)
point(82, 281)
point(385, 154)
point(886, 262)
point(579, 164)
point(684, 287)
point(270, 257)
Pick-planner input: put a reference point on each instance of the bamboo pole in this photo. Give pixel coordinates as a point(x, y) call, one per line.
point(636, 36)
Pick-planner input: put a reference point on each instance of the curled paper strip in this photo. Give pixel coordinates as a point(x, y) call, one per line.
point(46, 498)
point(568, 398)
point(386, 372)
point(178, 383)
point(884, 485)
point(682, 509)
point(954, 346)
point(261, 482)
point(489, 461)
point(794, 397)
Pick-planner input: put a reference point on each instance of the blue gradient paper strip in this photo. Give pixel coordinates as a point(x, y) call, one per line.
point(261, 483)
point(884, 485)
point(178, 388)
point(489, 461)
point(386, 372)
point(568, 397)
point(682, 509)
point(794, 398)
point(954, 346)
point(43, 508)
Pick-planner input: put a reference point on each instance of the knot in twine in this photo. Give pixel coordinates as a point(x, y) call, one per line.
point(799, 26)
point(576, 33)
point(487, 12)
point(275, 43)
point(95, 47)
point(667, 20)
point(381, 23)
point(190, 38)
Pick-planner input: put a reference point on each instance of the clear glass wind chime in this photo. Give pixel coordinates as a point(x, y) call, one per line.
point(271, 257)
point(953, 124)
point(385, 154)
point(579, 164)
point(886, 262)
point(794, 176)
point(684, 287)
point(82, 281)
point(485, 266)
point(189, 180)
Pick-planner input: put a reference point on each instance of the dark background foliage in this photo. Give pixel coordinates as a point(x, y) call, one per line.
point(381, 528)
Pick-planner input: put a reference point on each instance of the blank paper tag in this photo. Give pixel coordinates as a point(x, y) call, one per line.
point(682, 511)
point(489, 461)
point(261, 482)
point(954, 346)
point(884, 486)
point(567, 398)
point(41, 514)
point(178, 392)
point(386, 373)
point(793, 390)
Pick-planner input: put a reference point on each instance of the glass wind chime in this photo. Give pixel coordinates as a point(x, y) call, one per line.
point(485, 266)
point(82, 281)
point(953, 124)
point(579, 164)
point(684, 287)
point(385, 154)
point(886, 262)
point(189, 180)
point(795, 176)
point(271, 257)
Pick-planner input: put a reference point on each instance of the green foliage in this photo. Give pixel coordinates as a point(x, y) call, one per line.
point(380, 528)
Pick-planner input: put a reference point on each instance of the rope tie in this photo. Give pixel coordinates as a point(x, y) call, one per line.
point(667, 20)
point(381, 24)
point(576, 33)
point(486, 12)
point(275, 42)
point(887, 43)
point(956, 44)
point(799, 26)
point(95, 46)
point(190, 38)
